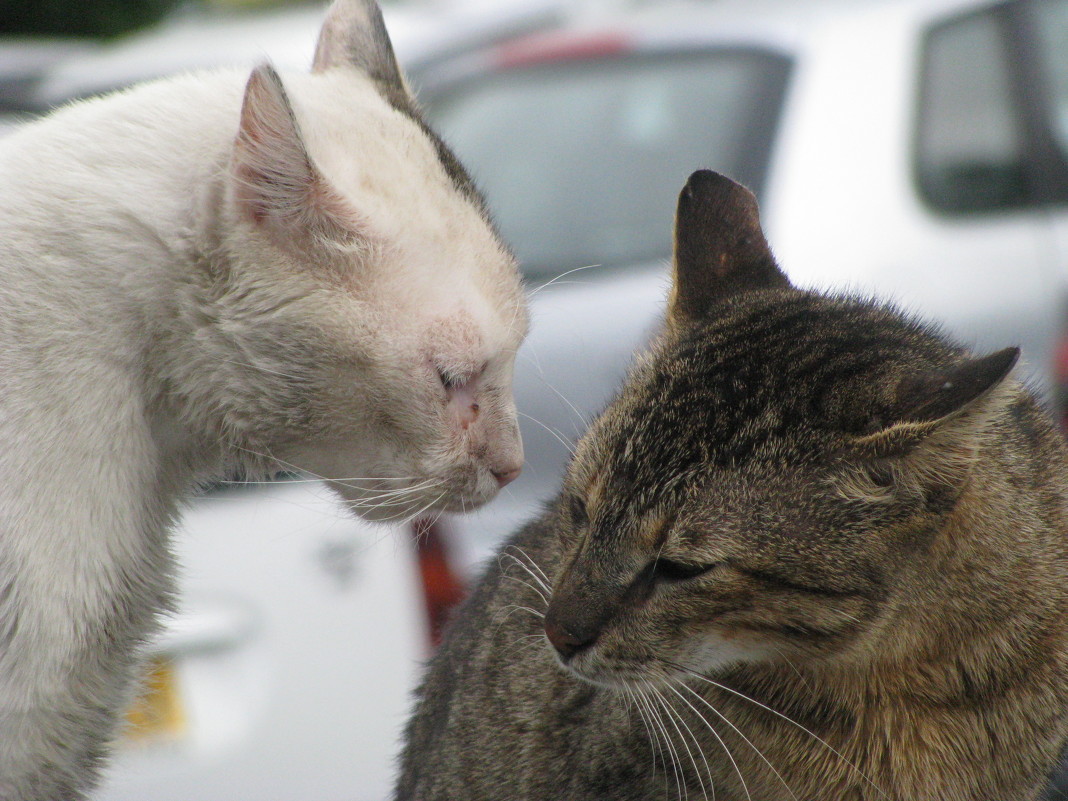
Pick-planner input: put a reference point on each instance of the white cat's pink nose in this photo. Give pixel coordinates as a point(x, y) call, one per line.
point(507, 475)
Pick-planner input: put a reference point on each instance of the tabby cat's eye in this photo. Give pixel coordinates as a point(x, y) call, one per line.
point(670, 570)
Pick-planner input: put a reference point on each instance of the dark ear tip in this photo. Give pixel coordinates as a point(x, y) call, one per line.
point(710, 188)
point(1002, 361)
point(701, 181)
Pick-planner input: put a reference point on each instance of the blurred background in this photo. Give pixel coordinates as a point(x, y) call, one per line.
point(912, 149)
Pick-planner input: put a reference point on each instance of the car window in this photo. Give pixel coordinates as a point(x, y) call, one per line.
point(581, 161)
point(1051, 35)
point(970, 143)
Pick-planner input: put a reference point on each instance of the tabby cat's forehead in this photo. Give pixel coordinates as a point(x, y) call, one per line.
point(773, 379)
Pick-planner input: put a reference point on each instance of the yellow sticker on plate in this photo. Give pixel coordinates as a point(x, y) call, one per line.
point(157, 713)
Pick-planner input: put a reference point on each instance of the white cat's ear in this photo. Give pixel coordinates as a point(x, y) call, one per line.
point(719, 246)
point(354, 35)
point(949, 401)
point(276, 184)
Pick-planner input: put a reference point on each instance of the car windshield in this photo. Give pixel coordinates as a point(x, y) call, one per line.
point(581, 161)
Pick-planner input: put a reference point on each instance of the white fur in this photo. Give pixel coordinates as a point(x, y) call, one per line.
point(165, 319)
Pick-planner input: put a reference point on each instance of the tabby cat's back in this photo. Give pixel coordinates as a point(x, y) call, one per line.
point(813, 550)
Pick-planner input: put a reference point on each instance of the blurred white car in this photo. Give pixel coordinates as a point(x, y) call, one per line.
point(24, 60)
point(200, 38)
point(910, 148)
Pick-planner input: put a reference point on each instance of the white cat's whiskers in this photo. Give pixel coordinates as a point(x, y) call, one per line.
point(403, 501)
point(314, 477)
point(262, 369)
point(409, 516)
point(532, 292)
point(583, 420)
point(738, 731)
point(410, 504)
point(399, 493)
point(560, 437)
point(675, 719)
point(311, 480)
point(791, 721)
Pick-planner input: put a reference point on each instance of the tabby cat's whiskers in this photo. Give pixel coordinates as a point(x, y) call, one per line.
point(724, 718)
point(791, 721)
point(533, 589)
point(540, 579)
point(675, 719)
point(663, 740)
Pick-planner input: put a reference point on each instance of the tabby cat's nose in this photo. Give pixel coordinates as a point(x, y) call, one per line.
point(566, 643)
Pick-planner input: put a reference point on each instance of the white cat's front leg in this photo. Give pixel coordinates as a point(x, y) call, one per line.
point(83, 577)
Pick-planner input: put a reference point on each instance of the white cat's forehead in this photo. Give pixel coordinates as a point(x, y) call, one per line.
point(453, 323)
point(384, 162)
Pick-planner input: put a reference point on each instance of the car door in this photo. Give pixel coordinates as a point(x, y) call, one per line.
point(1042, 30)
point(989, 162)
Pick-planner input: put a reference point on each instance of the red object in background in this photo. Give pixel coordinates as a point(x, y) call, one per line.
point(1060, 391)
point(442, 587)
point(543, 48)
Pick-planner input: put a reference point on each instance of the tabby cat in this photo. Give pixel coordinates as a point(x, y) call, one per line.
point(814, 550)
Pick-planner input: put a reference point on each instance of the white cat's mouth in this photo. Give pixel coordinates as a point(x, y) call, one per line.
point(400, 500)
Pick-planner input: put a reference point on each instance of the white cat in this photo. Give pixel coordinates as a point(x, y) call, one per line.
point(221, 272)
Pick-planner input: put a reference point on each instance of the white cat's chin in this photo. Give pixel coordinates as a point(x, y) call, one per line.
point(403, 500)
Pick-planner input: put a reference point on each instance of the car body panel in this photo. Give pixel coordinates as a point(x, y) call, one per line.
point(299, 691)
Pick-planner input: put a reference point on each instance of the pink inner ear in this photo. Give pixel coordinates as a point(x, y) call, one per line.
point(276, 180)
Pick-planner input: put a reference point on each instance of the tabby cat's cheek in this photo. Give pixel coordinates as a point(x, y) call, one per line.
point(720, 649)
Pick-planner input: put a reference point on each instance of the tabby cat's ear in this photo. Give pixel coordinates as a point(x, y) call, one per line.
point(354, 35)
point(928, 402)
point(719, 246)
point(276, 184)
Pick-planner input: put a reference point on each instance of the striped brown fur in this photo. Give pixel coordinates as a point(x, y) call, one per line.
point(830, 541)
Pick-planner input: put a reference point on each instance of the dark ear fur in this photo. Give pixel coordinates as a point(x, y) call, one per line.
point(354, 35)
point(927, 402)
point(719, 246)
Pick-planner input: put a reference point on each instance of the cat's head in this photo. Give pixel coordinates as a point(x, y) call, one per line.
point(371, 312)
point(768, 475)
